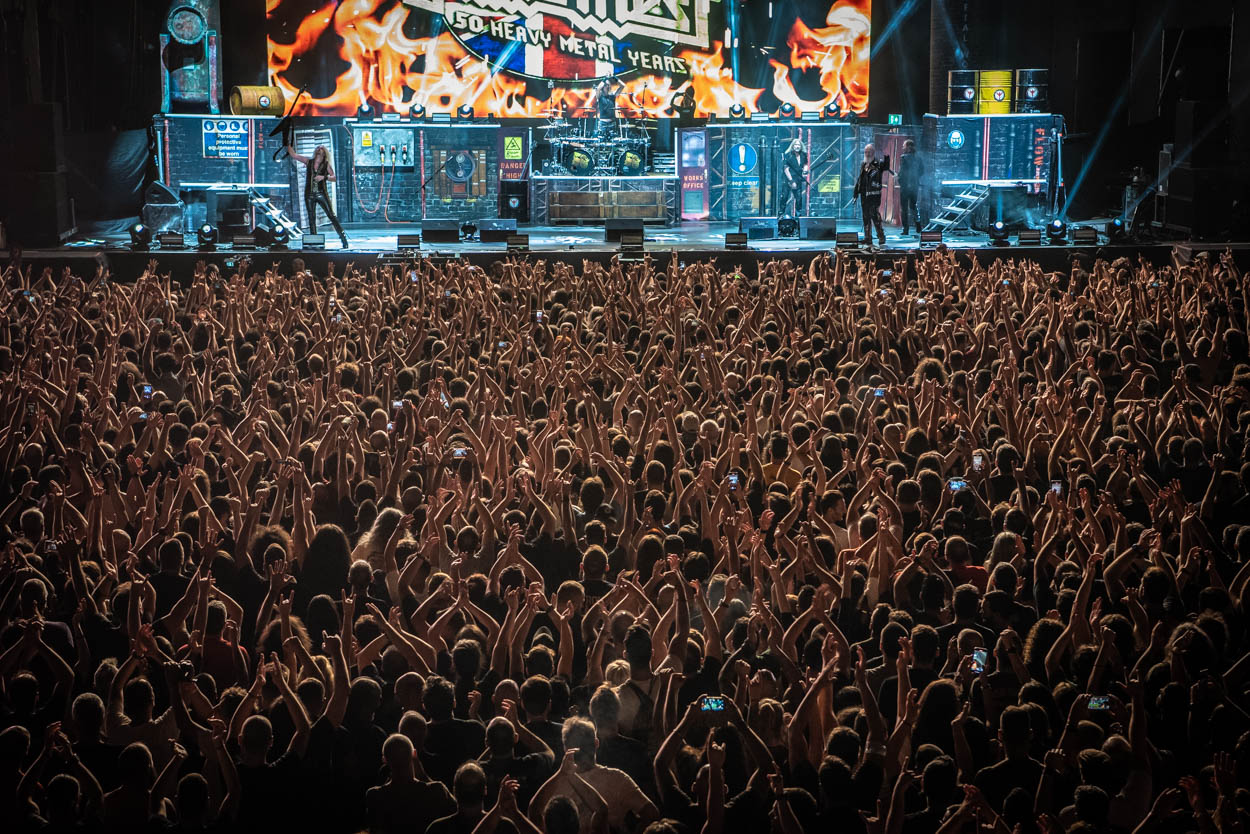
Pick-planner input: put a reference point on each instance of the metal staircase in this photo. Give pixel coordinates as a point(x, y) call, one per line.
point(958, 212)
point(276, 215)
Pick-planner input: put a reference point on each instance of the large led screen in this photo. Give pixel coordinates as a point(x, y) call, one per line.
point(533, 58)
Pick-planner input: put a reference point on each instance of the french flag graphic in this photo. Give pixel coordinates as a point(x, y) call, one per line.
point(535, 61)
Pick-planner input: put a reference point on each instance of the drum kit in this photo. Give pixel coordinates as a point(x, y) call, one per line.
point(597, 147)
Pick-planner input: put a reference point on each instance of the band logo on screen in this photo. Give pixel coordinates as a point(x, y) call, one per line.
point(576, 40)
point(535, 58)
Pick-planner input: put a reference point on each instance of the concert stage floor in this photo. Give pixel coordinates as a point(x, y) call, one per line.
point(696, 236)
point(691, 240)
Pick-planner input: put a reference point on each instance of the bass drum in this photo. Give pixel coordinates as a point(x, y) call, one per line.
point(577, 160)
point(630, 163)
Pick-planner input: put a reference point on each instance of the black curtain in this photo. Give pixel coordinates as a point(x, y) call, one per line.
point(107, 173)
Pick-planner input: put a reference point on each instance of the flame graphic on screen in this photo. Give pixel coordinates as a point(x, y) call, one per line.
point(380, 62)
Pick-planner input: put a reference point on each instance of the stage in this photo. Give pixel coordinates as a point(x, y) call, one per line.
point(687, 235)
point(692, 241)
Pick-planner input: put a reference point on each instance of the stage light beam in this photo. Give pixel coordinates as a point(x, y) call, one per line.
point(896, 20)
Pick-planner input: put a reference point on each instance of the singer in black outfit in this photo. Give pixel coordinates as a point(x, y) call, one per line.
point(794, 170)
point(317, 173)
point(868, 192)
point(910, 173)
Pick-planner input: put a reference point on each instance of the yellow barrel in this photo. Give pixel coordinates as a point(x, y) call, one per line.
point(257, 101)
point(995, 91)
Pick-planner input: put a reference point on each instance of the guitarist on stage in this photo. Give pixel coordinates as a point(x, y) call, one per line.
point(794, 169)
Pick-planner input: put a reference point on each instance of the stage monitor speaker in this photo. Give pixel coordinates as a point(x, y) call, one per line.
point(36, 208)
point(736, 240)
point(160, 194)
point(1029, 237)
point(163, 218)
point(1032, 91)
point(247, 240)
point(932, 238)
point(235, 221)
point(518, 243)
point(311, 241)
point(961, 97)
point(408, 241)
point(171, 240)
point(162, 210)
point(818, 228)
point(514, 200)
point(758, 228)
point(496, 231)
point(1085, 236)
point(442, 230)
point(631, 240)
point(847, 239)
point(614, 228)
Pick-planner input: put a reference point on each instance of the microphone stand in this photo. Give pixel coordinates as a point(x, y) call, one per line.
point(286, 127)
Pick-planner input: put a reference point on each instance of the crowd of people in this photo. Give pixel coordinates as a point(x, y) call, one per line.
point(645, 547)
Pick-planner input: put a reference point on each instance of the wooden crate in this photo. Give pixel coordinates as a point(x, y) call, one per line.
point(559, 211)
point(637, 198)
point(638, 212)
point(575, 198)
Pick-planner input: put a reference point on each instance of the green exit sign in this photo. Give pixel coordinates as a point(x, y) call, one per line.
point(896, 119)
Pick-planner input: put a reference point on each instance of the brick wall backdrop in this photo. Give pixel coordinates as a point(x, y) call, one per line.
point(359, 195)
point(475, 199)
point(183, 161)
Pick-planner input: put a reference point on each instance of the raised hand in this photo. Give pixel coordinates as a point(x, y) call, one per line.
point(567, 765)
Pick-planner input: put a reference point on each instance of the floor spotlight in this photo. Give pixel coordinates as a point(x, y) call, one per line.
point(364, 111)
point(737, 112)
point(786, 111)
point(465, 111)
point(206, 236)
point(998, 233)
point(831, 111)
point(140, 236)
point(274, 237)
point(468, 231)
point(1057, 231)
point(417, 111)
point(1116, 232)
point(787, 227)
